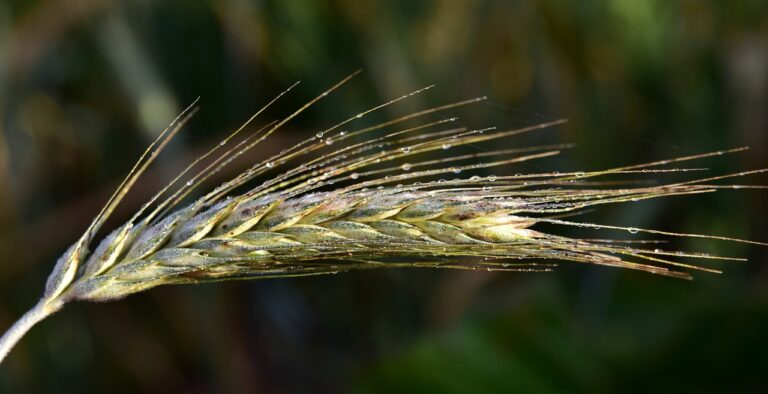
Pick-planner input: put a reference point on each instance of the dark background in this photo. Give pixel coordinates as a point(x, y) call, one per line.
point(86, 84)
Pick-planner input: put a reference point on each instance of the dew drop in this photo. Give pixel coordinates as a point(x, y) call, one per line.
point(360, 115)
point(319, 134)
point(354, 175)
point(446, 146)
point(633, 230)
point(491, 178)
point(406, 166)
point(456, 170)
point(580, 174)
point(270, 164)
point(474, 178)
point(328, 141)
point(406, 149)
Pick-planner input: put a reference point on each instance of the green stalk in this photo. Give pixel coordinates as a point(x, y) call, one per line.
point(11, 337)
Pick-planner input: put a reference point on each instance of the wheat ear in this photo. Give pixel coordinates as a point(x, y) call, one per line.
point(349, 208)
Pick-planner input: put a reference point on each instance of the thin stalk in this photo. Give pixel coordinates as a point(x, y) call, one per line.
point(42, 310)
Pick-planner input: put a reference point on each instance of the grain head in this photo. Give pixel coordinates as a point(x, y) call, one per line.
point(348, 199)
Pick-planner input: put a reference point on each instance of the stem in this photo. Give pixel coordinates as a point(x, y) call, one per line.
point(43, 309)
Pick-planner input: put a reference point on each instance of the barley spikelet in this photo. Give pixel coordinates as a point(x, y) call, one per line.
point(359, 203)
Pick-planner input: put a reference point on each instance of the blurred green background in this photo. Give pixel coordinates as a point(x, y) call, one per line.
point(86, 84)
